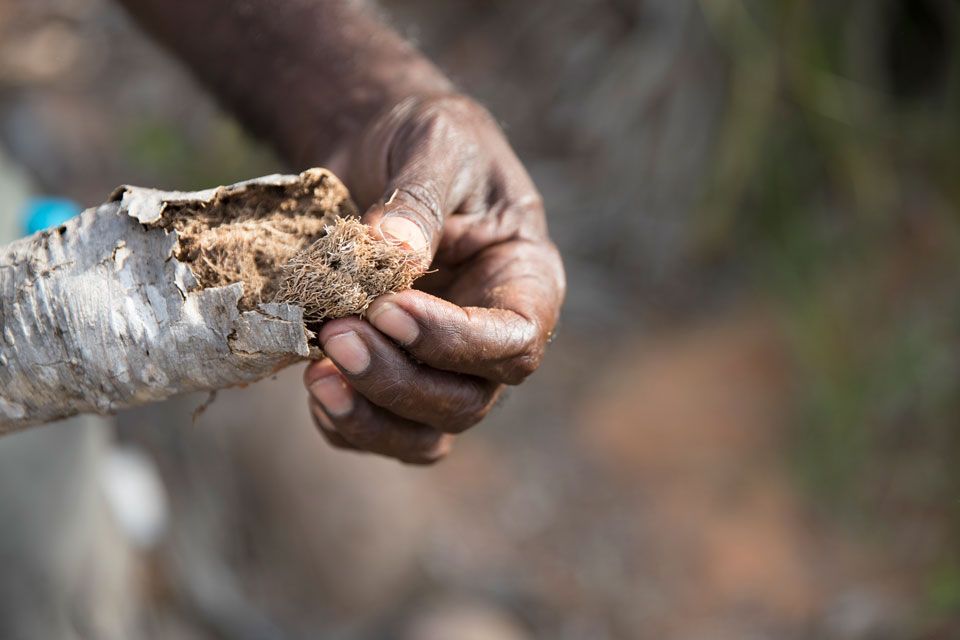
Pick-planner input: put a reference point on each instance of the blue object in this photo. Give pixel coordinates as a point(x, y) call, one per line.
point(45, 212)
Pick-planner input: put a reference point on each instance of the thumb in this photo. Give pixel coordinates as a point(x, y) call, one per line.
point(413, 222)
point(431, 168)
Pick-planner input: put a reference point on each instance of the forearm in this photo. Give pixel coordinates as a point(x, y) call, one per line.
point(304, 74)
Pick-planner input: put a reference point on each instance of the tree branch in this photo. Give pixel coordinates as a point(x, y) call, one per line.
point(101, 313)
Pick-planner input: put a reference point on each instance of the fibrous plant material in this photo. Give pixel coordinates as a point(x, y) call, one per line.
point(247, 237)
point(158, 293)
point(344, 271)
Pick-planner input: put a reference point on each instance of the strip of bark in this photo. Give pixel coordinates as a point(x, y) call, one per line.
point(115, 308)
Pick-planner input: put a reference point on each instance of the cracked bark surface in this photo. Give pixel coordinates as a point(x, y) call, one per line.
point(99, 314)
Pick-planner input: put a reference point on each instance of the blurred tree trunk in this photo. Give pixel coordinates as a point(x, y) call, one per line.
point(66, 567)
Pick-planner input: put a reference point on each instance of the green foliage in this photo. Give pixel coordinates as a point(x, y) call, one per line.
point(836, 185)
point(222, 154)
point(943, 592)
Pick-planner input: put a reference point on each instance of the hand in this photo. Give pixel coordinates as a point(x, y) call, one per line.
point(423, 365)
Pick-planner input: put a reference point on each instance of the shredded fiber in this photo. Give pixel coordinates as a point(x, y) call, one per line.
point(246, 235)
point(297, 243)
point(341, 273)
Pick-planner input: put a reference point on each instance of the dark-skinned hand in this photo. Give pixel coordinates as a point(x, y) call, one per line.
point(426, 364)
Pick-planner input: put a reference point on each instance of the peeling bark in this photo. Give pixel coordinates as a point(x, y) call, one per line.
point(99, 315)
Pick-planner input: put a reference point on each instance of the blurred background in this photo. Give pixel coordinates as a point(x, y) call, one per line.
point(747, 428)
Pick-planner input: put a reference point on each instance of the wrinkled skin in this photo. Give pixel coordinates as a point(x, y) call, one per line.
point(424, 365)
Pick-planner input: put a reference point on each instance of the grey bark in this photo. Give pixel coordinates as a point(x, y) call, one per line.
point(97, 315)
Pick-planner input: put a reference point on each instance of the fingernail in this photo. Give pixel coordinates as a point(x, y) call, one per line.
point(401, 230)
point(395, 322)
point(348, 351)
point(334, 394)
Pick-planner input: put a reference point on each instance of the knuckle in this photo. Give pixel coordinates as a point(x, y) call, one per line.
point(447, 121)
point(426, 201)
point(437, 119)
point(451, 107)
point(522, 367)
point(519, 367)
point(462, 422)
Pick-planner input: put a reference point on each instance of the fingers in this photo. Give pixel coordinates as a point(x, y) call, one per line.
point(503, 337)
point(347, 420)
point(387, 377)
point(495, 344)
point(328, 389)
point(370, 429)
